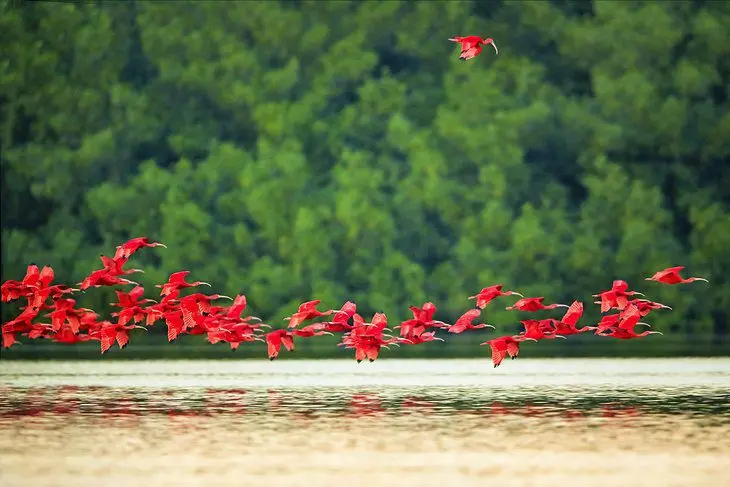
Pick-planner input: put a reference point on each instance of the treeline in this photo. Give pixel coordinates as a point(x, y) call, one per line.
point(340, 150)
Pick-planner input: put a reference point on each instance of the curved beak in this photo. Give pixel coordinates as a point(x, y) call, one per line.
point(642, 323)
point(702, 279)
point(205, 284)
point(495, 47)
point(655, 333)
point(532, 339)
point(562, 306)
point(161, 245)
point(639, 294)
point(560, 336)
point(328, 333)
point(222, 296)
point(438, 338)
point(490, 326)
point(255, 318)
point(648, 279)
point(264, 325)
point(514, 292)
point(138, 326)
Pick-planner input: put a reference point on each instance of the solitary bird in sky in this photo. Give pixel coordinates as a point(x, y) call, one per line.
point(471, 46)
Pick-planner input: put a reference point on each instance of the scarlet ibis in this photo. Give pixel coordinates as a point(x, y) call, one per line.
point(234, 335)
point(176, 281)
point(315, 329)
point(501, 346)
point(645, 306)
point(67, 336)
point(131, 246)
point(102, 277)
point(66, 313)
point(115, 267)
point(630, 318)
point(340, 319)
point(533, 304)
point(12, 290)
point(421, 322)
point(567, 324)
point(368, 338)
point(539, 330)
point(671, 275)
point(307, 311)
point(275, 339)
point(111, 332)
point(616, 297)
point(487, 294)
point(426, 336)
point(464, 322)
point(471, 46)
point(607, 322)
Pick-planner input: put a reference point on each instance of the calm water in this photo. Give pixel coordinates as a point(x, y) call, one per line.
point(391, 422)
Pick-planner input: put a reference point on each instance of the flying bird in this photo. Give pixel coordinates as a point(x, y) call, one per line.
point(471, 46)
point(533, 304)
point(487, 294)
point(464, 322)
point(671, 275)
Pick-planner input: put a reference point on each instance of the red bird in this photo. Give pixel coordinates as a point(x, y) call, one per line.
point(307, 311)
point(128, 248)
point(12, 290)
point(671, 276)
point(625, 328)
point(465, 322)
point(426, 336)
point(538, 330)
point(108, 333)
point(645, 306)
point(487, 294)
point(501, 346)
point(114, 267)
point(616, 297)
point(471, 46)
point(316, 329)
point(340, 320)
point(176, 281)
point(275, 339)
point(566, 326)
point(533, 304)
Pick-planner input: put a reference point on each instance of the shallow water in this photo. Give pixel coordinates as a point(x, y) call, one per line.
point(406, 422)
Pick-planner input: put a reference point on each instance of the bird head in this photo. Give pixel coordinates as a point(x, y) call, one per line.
point(489, 40)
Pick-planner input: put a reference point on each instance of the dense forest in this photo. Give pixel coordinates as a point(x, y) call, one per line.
point(340, 150)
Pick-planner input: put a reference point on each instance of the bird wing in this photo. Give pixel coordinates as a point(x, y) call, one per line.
point(575, 311)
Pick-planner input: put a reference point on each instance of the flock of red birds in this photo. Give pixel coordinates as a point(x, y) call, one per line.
point(195, 314)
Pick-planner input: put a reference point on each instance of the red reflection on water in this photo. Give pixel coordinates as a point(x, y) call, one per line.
point(365, 405)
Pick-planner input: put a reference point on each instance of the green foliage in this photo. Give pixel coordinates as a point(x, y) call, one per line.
point(340, 150)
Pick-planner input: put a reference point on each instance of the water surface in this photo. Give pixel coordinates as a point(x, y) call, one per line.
point(391, 422)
